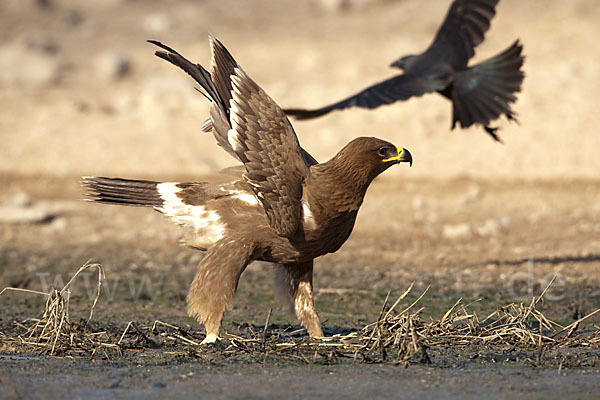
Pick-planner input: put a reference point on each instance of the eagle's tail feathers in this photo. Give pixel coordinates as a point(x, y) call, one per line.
point(122, 191)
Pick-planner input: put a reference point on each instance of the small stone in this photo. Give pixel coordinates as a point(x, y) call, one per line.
point(418, 202)
point(19, 199)
point(25, 215)
point(333, 5)
point(157, 23)
point(59, 224)
point(111, 66)
point(457, 231)
point(47, 4)
point(344, 5)
point(75, 18)
point(30, 66)
point(473, 193)
point(489, 228)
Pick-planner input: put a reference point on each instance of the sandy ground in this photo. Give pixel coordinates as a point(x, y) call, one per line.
point(472, 218)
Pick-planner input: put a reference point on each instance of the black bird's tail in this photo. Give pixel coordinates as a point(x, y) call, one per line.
point(484, 92)
point(127, 192)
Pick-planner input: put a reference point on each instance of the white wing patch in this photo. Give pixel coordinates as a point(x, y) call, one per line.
point(308, 218)
point(232, 138)
point(234, 111)
point(206, 223)
point(244, 197)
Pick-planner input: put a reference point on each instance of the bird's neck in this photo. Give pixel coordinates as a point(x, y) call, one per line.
point(339, 185)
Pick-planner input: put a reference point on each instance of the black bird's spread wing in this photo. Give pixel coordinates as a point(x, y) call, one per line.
point(401, 87)
point(480, 93)
point(463, 28)
point(250, 126)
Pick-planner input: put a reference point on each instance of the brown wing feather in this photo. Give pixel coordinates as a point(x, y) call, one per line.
point(210, 88)
point(250, 125)
point(264, 140)
point(222, 65)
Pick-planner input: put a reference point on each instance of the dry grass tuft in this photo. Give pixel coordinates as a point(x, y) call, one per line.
point(400, 337)
point(396, 336)
point(514, 326)
point(54, 332)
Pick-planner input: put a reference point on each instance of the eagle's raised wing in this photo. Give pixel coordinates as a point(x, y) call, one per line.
point(265, 142)
point(252, 127)
point(220, 104)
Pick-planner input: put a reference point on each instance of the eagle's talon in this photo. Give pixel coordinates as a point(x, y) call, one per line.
point(210, 338)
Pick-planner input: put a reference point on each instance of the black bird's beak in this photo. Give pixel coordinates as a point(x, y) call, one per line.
point(403, 155)
point(397, 64)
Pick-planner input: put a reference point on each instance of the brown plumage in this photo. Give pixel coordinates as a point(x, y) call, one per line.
point(285, 208)
point(480, 94)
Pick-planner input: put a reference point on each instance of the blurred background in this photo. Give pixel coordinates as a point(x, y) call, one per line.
point(81, 92)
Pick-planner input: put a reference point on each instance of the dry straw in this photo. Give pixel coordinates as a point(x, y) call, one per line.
point(54, 331)
point(396, 336)
point(400, 337)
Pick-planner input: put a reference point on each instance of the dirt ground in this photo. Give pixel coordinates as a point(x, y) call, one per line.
point(472, 218)
point(541, 230)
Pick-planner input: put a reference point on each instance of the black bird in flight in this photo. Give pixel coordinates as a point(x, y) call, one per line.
point(480, 93)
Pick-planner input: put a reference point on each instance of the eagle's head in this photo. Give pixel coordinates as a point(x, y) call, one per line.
point(366, 157)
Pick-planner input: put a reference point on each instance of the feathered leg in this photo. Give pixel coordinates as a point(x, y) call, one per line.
point(215, 284)
point(293, 283)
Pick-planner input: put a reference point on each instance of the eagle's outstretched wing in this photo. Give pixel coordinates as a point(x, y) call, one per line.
point(252, 127)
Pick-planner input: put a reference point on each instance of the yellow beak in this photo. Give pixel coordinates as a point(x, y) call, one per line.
point(403, 156)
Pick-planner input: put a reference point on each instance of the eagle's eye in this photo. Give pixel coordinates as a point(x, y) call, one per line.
point(383, 151)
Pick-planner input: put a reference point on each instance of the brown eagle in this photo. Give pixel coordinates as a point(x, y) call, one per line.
point(285, 208)
point(479, 94)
